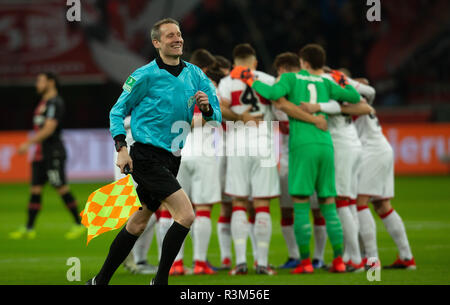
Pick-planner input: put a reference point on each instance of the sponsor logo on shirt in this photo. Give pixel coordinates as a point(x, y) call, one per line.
point(129, 83)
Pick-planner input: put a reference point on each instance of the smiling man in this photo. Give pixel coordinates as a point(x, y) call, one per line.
point(158, 95)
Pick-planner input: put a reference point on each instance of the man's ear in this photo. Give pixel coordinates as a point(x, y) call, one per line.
point(156, 43)
point(255, 64)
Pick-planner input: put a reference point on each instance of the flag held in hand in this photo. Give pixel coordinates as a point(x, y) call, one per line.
point(109, 207)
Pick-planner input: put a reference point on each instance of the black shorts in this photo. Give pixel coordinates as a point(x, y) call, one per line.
point(155, 171)
point(51, 170)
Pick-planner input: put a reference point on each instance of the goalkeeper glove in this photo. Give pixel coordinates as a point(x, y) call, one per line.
point(340, 78)
point(244, 74)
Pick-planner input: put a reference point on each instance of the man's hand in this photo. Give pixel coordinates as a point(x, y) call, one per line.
point(339, 77)
point(23, 148)
point(123, 159)
point(321, 122)
point(247, 117)
point(244, 74)
point(202, 101)
point(310, 108)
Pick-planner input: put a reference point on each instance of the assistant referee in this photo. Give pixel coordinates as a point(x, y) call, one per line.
point(158, 95)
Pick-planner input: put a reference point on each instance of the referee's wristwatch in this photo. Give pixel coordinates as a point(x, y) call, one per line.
point(119, 142)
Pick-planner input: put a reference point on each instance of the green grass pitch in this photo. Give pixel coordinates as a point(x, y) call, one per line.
point(422, 202)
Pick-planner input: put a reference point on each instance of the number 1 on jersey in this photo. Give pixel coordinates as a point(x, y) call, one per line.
point(312, 94)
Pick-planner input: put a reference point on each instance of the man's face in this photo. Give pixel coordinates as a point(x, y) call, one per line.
point(171, 42)
point(41, 84)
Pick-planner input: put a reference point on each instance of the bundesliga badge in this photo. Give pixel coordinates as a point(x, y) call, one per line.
point(129, 84)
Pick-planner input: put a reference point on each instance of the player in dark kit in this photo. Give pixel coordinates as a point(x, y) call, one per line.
point(49, 157)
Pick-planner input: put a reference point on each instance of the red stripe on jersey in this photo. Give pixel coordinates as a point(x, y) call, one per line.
point(237, 95)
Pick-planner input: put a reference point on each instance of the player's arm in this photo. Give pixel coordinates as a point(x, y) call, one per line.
point(296, 112)
point(333, 108)
point(364, 89)
point(134, 90)
point(277, 90)
point(207, 100)
point(54, 115)
point(46, 131)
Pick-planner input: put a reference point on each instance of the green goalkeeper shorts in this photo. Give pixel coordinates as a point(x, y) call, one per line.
point(311, 169)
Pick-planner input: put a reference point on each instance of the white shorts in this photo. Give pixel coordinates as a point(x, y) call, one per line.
point(376, 174)
point(199, 178)
point(246, 177)
point(222, 160)
point(346, 163)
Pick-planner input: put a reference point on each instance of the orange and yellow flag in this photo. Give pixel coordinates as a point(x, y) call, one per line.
point(109, 207)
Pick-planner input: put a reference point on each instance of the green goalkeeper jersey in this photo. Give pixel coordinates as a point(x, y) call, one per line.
point(303, 87)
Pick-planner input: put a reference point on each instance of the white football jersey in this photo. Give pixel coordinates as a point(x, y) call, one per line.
point(342, 130)
point(370, 132)
point(241, 97)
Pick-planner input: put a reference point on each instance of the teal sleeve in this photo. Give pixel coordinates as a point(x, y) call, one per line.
point(207, 87)
point(134, 90)
point(347, 94)
point(277, 90)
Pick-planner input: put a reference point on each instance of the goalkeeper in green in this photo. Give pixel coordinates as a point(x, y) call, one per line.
point(311, 157)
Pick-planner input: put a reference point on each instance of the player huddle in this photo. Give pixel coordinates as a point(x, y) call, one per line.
point(334, 161)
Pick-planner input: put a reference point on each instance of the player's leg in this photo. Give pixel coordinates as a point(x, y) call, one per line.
point(367, 228)
point(287, 218)
point(326, 192)
point(302, 176)
point(251, 230)
point(182, 213)
point(224, 234)
point(237, 186)
point(122, 245)
point(141, 247)
point(206, 172)
point(38, 179)
point(320, 234)
point(345, 165)
point(396, 228)
point(201, 237)
point(265, 185)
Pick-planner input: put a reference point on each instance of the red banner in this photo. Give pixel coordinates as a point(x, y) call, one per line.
point(419, 148)
point(36, 36)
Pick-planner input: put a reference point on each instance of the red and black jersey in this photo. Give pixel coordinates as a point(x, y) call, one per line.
point(52, 147)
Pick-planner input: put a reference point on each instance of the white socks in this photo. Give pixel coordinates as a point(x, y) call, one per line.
point(368, 231)
point(201, 235)
point(140, 248)
point(320, 238)
point(251, 233)
point(239, 233)
point(396, 228)
point(224, 235)
point(350, 230)
point(263, 233)
point(287, 229)
point(165, 221)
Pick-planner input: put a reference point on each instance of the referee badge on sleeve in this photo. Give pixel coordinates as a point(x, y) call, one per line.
point(129, 83)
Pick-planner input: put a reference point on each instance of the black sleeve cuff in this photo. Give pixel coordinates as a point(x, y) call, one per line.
point(120, 138)
point(208, 113)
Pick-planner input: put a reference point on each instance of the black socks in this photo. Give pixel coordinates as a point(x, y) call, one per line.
point(171, 245)
point(119, 250)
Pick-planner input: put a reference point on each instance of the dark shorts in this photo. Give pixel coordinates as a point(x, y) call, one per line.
point(155, 171)
point(51, 170)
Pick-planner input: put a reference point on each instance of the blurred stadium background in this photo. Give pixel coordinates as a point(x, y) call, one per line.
point(405, 56)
